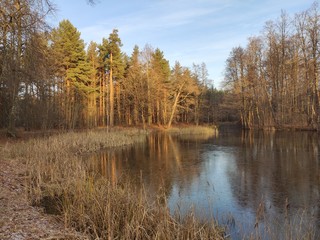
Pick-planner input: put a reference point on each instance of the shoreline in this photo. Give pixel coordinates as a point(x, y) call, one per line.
point(52, 164)
point(18, 218)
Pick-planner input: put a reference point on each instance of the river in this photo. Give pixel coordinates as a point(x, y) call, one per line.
point(258, 184)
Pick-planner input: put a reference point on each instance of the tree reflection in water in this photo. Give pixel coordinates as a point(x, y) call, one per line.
point(249, 180)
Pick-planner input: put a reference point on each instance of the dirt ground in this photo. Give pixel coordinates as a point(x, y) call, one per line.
point(18, 219)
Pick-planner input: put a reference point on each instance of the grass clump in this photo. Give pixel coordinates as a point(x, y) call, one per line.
point(195, 132)
point(192, 130)
point(96, 206)
point(106, 210)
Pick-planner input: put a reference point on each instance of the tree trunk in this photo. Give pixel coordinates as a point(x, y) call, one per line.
point(175, 104)
point(111, 96)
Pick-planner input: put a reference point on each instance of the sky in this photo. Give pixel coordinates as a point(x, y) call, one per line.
point(188, 31)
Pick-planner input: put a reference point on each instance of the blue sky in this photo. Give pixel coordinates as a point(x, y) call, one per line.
point(188, 31)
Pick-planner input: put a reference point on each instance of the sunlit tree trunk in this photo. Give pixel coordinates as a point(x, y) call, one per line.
point(174, 107)
point(111, 94)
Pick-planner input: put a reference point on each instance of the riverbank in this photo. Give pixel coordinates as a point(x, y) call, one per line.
point(18, 218)
point(96, 207)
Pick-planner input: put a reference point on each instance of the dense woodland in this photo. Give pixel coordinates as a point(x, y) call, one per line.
point(51, 79)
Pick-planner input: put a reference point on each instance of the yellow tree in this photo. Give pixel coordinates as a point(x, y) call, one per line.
point(183, 88)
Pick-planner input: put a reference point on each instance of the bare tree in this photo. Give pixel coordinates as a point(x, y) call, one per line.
point(19, 21)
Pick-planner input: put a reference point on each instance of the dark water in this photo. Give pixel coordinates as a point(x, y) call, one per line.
point(259, 184)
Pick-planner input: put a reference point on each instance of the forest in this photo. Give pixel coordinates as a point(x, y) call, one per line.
point(274, 80)
point(51, 79)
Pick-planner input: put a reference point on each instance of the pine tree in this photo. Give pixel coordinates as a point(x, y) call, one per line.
point(111, 64)
point(93, 60)
point(135, 89)
point(73, 71)
point(160, 76)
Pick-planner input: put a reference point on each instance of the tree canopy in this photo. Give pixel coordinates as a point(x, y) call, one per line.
point(275, 78)
point(49, 78)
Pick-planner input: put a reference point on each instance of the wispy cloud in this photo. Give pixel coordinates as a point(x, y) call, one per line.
point(150, 20)
point(191, 31)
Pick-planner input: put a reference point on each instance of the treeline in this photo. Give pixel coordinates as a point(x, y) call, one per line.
point(274, 80)
point(49, 79)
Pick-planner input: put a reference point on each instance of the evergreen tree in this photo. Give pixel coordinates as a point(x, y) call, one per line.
point(135, 89)
point(116, 71)
point(93, 60)
point(112, 65)
point(73, 71)
point(160, 72)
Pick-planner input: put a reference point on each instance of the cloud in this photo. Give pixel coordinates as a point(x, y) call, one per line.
point(190, 31)
point(150, 20)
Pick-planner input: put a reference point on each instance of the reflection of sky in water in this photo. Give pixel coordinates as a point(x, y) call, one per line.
point(211, 192)
point(230, 177)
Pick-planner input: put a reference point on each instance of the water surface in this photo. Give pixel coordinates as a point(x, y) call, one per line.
point(257, 183)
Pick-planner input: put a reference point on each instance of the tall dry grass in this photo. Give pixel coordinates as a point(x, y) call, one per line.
point(194, 130)
point(94, 205)
point(298, 225)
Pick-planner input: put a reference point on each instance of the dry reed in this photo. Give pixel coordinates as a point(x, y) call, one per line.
point(96, 206)
point(193, 130)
